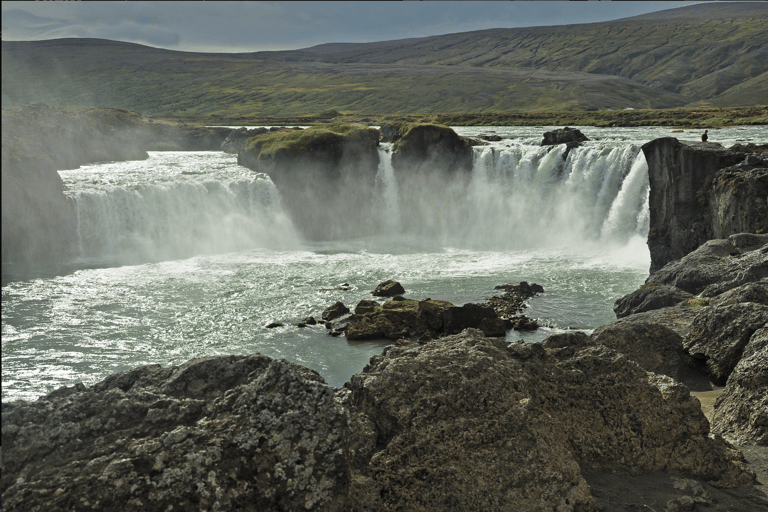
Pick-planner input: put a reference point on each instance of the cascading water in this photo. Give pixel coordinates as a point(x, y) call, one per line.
point(524, 196)
point(170, 215)
point(386, 190)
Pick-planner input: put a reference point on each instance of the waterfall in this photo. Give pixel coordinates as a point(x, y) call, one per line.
point(386, 191)
point(529, 197)
point(171, 220)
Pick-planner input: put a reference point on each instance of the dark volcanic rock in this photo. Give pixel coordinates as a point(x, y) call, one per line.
point(472, 423)
point(722, 333)
point(388, 288)
point(514, 297)
point(696, 195)
point(718, 266)
point(335, 311)
point(741, 412)
point(654, 347)
point(650, 297)
point(456, 319)
point(229, 433)
point(563, 136)
point(523, 427)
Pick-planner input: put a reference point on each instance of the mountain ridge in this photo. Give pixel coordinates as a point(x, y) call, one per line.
point(700, 55)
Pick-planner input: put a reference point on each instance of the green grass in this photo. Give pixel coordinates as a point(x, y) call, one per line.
point(300, 142)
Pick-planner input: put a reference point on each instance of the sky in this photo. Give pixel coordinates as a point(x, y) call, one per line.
point(257, 26)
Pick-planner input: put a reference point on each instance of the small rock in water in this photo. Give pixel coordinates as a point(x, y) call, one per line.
point(335, 311)
point(388, 288)
point(273, 325)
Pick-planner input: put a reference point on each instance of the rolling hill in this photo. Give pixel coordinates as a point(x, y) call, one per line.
point(701, 55)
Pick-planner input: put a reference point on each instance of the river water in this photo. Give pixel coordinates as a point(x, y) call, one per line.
point(188, 255)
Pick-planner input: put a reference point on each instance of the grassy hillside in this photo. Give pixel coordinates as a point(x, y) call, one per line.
point(704, 55)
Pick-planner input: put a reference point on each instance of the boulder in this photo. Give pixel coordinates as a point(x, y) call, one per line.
point(394, 319)
point(365, 306)
point(388, 288)
point(456, 319)
point(563, 136)
point(721, 334)
point(741, 411)
point(654, 347)
point(473, 423)
point(493, 327)
point(335, 311)
point(224, 433)
point(649, 297)
point(701, 191)
point(514, 297)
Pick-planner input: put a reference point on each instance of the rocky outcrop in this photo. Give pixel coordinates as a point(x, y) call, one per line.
point(716, 300)
point(721, 333)
point(470, 423)
point(427, 319)
point(650, 297)
point(432, 166)
point(388, 288)
point(741, 412)
point(655, 347)
point(38, 221)
point(326, 176)
point(701, 191)
point(717, 266)
point(227, 433)
point(565, 135)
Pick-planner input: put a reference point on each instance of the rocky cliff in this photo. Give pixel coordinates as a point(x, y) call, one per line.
point(708, 311)
point(38, 221)
point(701, 191)
point(326, 176)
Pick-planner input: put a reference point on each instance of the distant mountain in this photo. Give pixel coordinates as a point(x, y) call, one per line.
point(706, 54)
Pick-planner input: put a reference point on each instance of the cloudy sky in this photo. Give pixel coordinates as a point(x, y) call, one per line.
point(254, 26)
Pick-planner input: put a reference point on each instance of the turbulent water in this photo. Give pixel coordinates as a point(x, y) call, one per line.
point(188, 255)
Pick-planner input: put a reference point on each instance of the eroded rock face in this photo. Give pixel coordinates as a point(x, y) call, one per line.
point(741, 412)
point(433, 167)
point(649, 298)
point(326, 178)
point(230, 433)
point(655, 347)
point(722, 333)
point(697, 194)
point(472, 423)
point(718, 266)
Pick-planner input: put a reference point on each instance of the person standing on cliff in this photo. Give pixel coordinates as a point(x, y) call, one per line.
point(704, 136)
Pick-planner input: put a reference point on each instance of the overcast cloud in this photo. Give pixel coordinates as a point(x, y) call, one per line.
point(255, 26)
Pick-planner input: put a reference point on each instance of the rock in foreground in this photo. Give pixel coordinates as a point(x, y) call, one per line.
point(470, 423)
